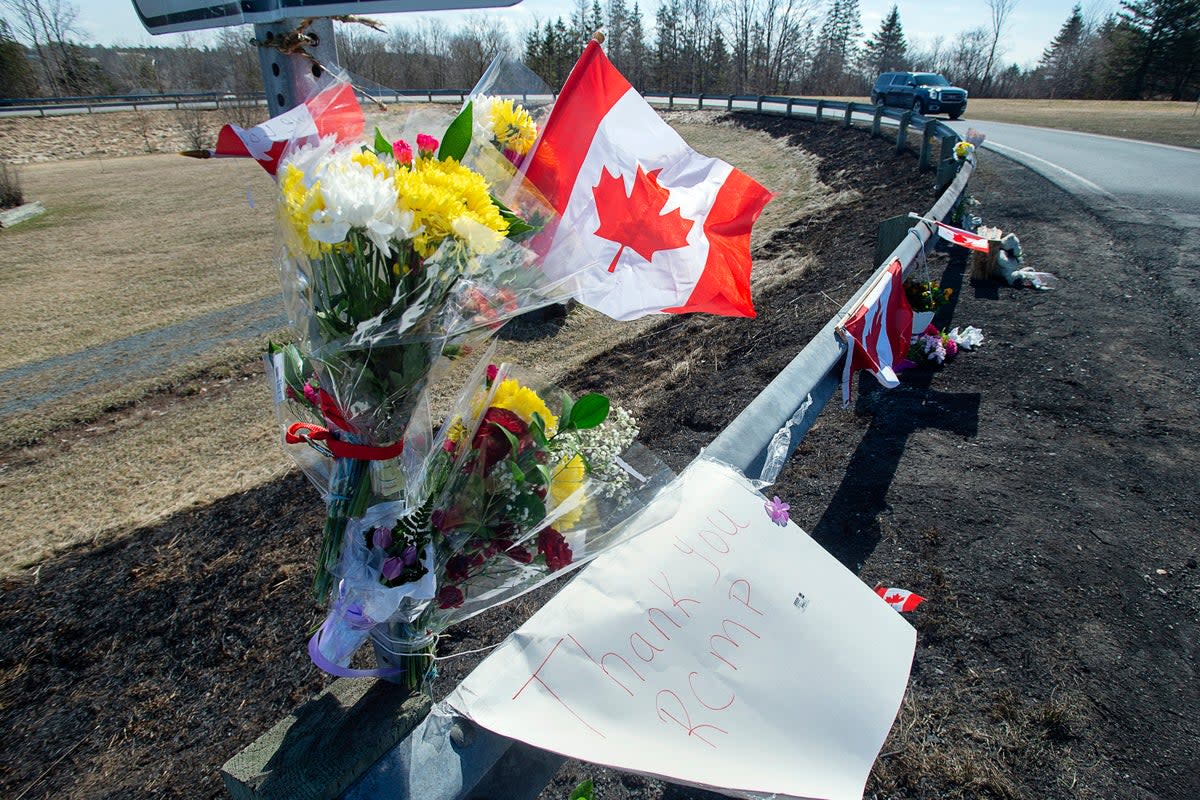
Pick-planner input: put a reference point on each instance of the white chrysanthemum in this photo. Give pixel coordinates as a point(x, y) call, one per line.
point(356, 196)
point(481, 117)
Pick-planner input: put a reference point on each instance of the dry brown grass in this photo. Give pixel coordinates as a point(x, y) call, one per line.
point(1148, 120)
point(130, 469)
point(130, 245)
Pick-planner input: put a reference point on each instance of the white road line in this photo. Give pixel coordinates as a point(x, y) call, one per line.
point(1003, 148)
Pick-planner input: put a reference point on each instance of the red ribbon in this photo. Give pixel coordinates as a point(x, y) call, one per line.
point(303, 432)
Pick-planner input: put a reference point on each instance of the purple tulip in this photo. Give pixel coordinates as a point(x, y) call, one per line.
point(382, 538)
point(409, 556)
point(392, 568)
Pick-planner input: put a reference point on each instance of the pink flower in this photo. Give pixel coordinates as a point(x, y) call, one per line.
point(492, 372)
point(312, 395)
point(951, 347)
point(777, 510)
point(932, 330)
point(403, 152)
point(426, 144)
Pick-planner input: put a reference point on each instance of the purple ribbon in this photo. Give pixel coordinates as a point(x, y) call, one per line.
point(337, 670)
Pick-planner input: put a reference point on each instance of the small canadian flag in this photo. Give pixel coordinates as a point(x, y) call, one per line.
point(899, 599)
point(962, 238)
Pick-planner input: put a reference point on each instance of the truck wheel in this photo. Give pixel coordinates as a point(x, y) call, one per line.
point(918, 106)
point(876, 99)
point(955, 114)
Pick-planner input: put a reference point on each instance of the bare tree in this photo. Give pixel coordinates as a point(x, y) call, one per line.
point(48, 26)
point(1001, 9)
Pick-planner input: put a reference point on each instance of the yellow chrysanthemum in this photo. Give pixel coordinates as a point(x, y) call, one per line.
point(439, 193)
point(524, 402)
point(565, 480)
point(300, 202)
point(512, 126)
point(368, 159)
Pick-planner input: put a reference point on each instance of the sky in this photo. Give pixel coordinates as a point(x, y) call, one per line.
point(1033, 23)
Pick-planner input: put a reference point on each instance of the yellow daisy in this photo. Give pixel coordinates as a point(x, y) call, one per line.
point(524, 402)
point(565, 480)
point(512, 126)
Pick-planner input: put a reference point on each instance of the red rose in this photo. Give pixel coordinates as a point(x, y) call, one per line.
point(450, 597)
point(458, 568)
point(491, 442)
point(554, 547)
point(522, 555)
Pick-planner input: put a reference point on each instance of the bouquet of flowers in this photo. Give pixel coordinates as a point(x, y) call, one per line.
point(396, 259)
point(934, 346)
point(516, 494)
point(926, 295)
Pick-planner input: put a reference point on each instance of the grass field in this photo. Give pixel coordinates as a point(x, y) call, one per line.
point(1149, 120)
point(108, 261)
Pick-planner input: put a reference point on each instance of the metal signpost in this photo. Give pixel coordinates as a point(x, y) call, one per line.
point(295, 37)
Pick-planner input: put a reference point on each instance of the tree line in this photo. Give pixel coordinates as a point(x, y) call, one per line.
point(1147, 49)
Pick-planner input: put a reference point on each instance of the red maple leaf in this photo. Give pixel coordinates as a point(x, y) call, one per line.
point(894, 599)
point(636, 221)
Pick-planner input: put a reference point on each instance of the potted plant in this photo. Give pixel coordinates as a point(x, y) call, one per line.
point(925, 297)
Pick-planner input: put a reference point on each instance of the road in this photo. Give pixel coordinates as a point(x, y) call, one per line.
point(1147, 195)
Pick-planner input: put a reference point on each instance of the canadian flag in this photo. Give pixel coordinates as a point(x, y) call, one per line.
point(333, 111)
point(963, 238)
point(899, 599)
point(878, 332)
point(647, 224)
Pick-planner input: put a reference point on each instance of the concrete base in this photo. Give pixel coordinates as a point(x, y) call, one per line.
point(19, 214)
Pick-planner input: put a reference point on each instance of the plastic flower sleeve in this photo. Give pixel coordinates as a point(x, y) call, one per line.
point(519, 494)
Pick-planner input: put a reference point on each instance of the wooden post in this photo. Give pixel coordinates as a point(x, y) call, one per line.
point(761, 97)
point(323, 746)
point(875, 122)
point(729, 105)
point(902, 132)
point(790, 102)
point(700, 101)
point(848, 115)
point(820, 109)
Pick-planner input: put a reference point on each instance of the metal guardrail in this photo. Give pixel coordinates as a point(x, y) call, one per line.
point(445, 757)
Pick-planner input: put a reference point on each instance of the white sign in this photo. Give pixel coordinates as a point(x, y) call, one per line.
point(172, 16)
point(716, 649)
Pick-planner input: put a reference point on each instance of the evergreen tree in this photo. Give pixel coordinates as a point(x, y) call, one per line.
point(667, 46)
point(636, 56)
point(1062, 60)
point(1158, 49)
point(886, 50)
point(17, 75)
point(838, 47)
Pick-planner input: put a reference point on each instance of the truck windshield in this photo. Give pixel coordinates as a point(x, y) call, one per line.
point(930, 79)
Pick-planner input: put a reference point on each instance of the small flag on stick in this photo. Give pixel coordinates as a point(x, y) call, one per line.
point(877, 333)
point(899, 599)
point(962, 238)
point(334, 111)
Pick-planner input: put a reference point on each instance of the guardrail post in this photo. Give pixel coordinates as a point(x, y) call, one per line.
point(902, 132)
point(670, 101)
point(431, 95)
point(925, 163)
point(875, 122)
point(729, 105)
point(790, 101)
point(848, 115)
point(947, 151)
point(761, 97)
point(700, 101)
point(820, 109)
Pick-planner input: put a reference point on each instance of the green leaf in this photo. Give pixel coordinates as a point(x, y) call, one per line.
point(516, 226)
point(533, 506)
point(457, 137)
point(568, 403)
point(513, 442)
point(382, 145)
point(589, 411)
point(294, 369)
point(544, 472)
point(583, 791)
point(517, 473)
